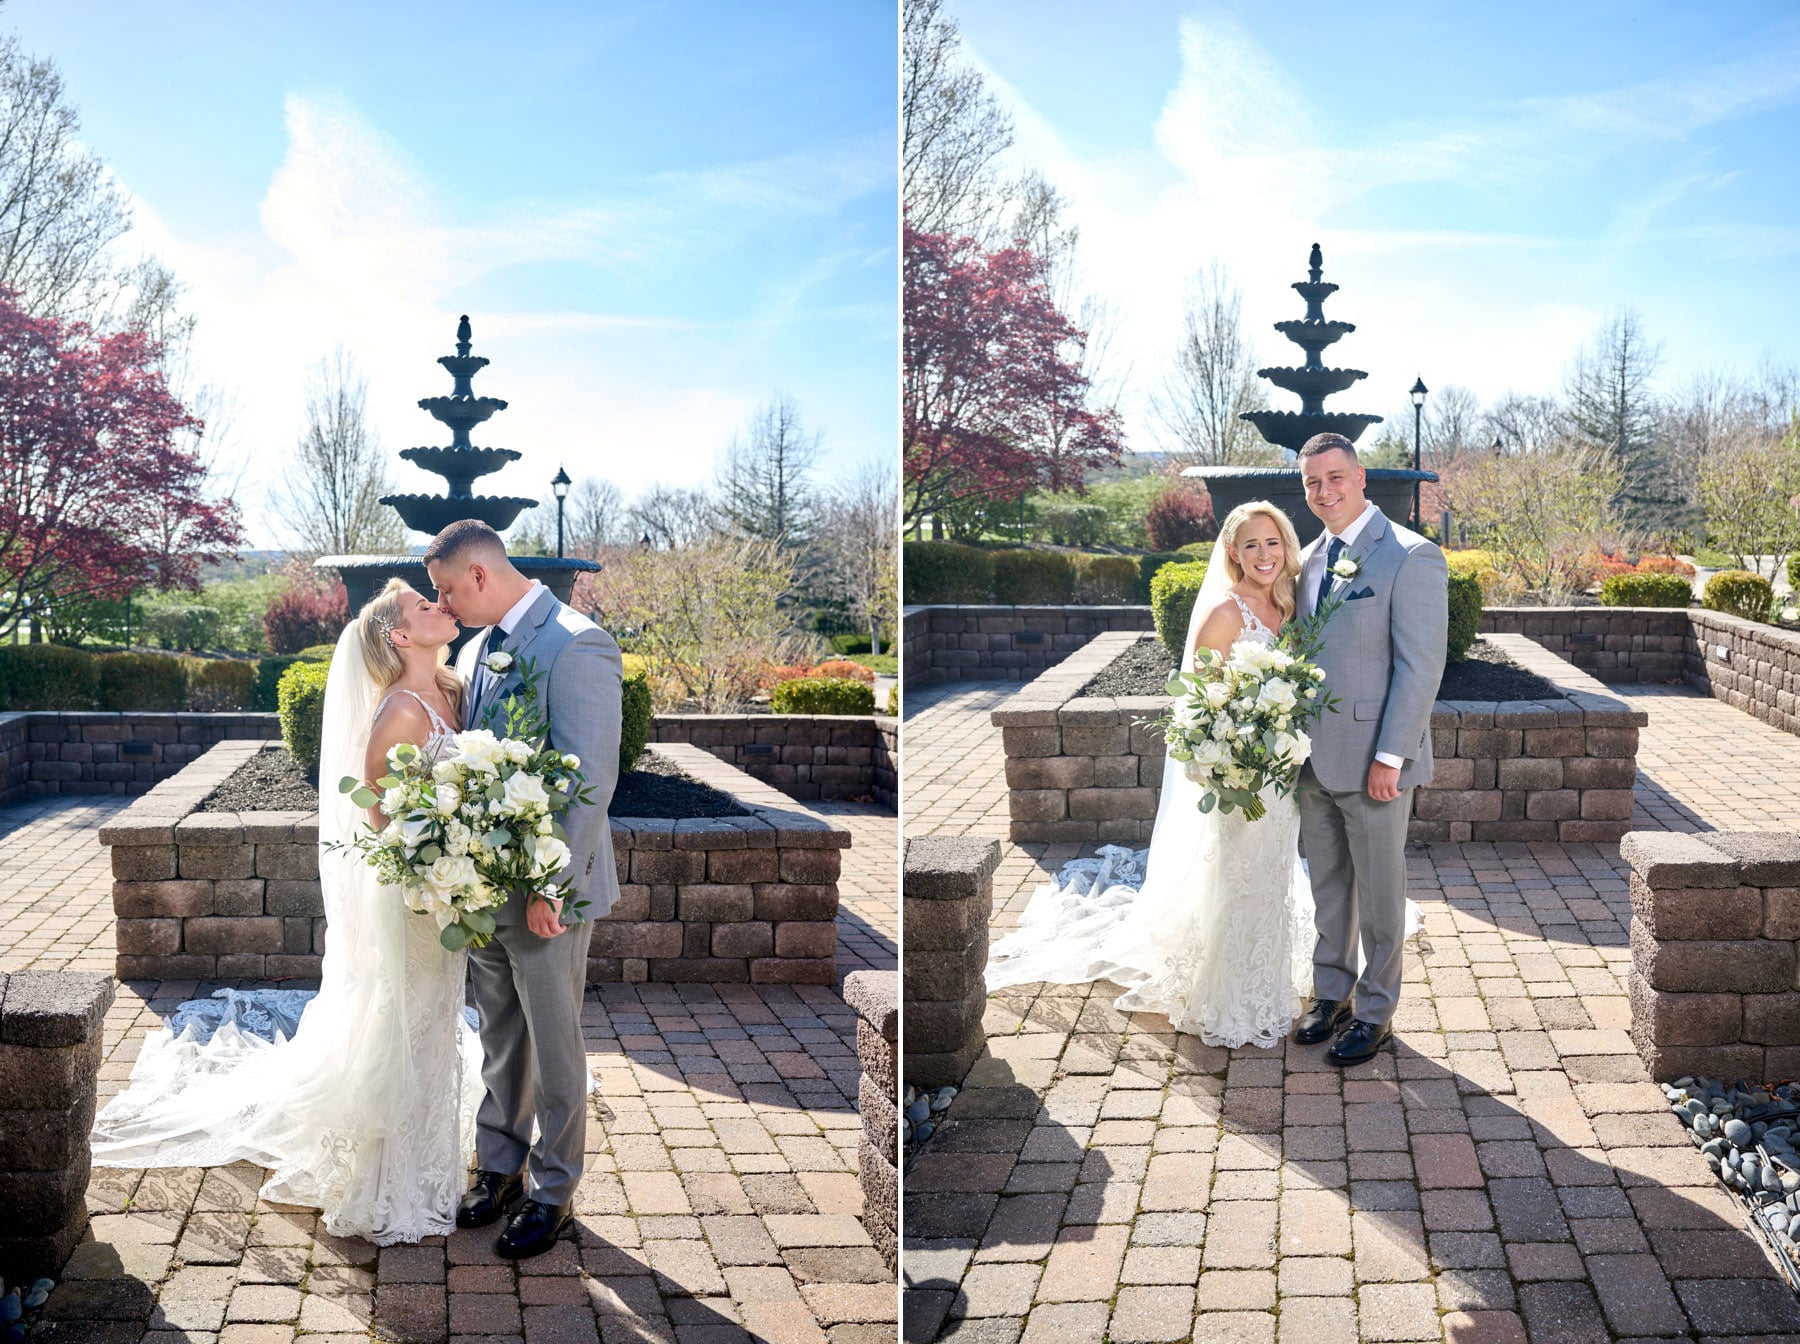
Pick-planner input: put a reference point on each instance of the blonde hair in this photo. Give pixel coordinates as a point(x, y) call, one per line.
point(1285, 582)
point(375, 625)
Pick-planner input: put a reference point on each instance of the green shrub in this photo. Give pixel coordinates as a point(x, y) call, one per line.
point(183, 625)
point(1072, 524)
point(222, 684)
point(1027, 578)
point(318, 653)
point(266, 697)
point(893, 704)
point(850, 644)
point(944, 571)
point(144, 681)
point(1465, 616)
point(1147, 567)
point(1172, 595)
point(301, 704)
point(822, 695)
point(1127, 502)
point(1738, 592)
point(1197, 550)
point(1646, 590)
point(634, 717)
point(46, 676)
point(1794, 573)
point(1109, 580)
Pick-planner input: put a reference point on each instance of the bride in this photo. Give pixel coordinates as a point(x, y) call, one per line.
point(1213, 924)
point(367, 1112)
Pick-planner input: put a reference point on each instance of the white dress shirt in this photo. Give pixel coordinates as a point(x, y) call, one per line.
point(1315, 569)
point(508, 623)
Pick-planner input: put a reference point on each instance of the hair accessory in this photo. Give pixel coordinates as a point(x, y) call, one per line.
point(387, 627)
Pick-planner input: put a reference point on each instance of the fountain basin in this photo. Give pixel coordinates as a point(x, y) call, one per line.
point(1390, 488)
point(433, 513)
point(460, 467)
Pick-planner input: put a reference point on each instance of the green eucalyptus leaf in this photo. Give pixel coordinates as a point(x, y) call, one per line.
point(430, 854)
point(348, 784)
point(365, 796)
point(454, 937)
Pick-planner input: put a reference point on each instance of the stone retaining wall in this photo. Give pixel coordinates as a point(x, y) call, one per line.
point(806, 756)
point(1715, 953)
point(203, 895)
point(1610, 644)
point(1081, 769)
point(50, 1045)
point(81, 751)
point(1755, 668)
point(948, 643)
point(948, 891)
point(875, 997)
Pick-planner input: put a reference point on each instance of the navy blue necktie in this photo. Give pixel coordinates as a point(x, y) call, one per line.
point(1332, 552)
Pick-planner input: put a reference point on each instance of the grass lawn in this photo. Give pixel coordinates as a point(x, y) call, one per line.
point(881, 664)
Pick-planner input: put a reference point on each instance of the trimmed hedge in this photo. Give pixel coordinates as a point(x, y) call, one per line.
point(46, 676)
point(1072, 524)
point(947, 571)
point(822, 695)
point(1738, 592)
point(140, 681)
point(301, 704)
point(893, 704)
point(1794, 573)
point(1646, 590)
point(1147, 567)
point(1029, 578)
point(222, 684)
point(1106, 580)
point(1197, 550)
point(1172, 595)
point(635, 713)
point(848, 644)
point(1465, 616)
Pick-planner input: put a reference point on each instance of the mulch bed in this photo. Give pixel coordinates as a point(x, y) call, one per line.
point(270, 781)
point(1486, 674)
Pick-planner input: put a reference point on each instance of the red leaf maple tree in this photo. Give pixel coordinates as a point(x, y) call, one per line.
point(991, 404)
point(96, 495)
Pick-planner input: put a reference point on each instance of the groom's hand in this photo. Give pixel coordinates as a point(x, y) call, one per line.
point(1384, 782)
point(544, 917)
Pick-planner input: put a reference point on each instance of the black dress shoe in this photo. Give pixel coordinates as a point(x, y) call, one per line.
point(533, 1230)
point(1359, 1043)
point(1321, 1021)
point(489, 1196)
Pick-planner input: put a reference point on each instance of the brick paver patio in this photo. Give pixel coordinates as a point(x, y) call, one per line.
point(719, 1203)
point(1506, 1173)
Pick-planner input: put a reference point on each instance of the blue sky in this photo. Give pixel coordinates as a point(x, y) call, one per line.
point(656, 214)
point(1489, 182)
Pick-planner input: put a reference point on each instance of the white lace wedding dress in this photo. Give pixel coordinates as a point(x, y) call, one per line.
point(368, 1112)
point(1212, 926)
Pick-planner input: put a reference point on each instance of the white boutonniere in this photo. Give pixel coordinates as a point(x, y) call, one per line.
point(498, 663)
point(1346, 568)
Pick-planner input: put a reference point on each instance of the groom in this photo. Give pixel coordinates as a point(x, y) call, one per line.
point(529, 980)
point(1383, 656)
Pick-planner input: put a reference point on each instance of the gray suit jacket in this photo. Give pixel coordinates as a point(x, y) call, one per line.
point(1383, 656)
point(580, 675)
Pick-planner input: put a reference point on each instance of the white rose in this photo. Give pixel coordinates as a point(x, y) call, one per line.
point(456, 838)
point(552, 854)
point(498, 663)
point(393, 801)
point(524, 792)
point(450, 872)
point(571, 760)
point(1277, 694)
point(1221, 729)
point(517, 752)
point(1217, 693)
point(449, 798)
point(414, 831)
point(447, 772)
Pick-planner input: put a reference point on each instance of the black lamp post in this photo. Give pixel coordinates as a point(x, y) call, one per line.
point(560, 483)
point(1418, 401)
point(1496, 447)
point(644, 542)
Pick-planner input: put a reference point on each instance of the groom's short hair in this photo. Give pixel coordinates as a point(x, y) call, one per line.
point(1327, 443)
point(467, 539)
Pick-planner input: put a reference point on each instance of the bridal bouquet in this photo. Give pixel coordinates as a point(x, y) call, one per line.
point(1238, 723)
point(481, 821)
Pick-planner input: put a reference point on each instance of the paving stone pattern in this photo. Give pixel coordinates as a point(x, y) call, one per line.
point(1507, 1173)
point(720, 1202)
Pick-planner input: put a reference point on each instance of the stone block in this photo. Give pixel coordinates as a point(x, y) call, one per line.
point(739, 866)
point(238, 896)
point(47, 1077)
point(944, 1068)
point(40, 1203)
point(1684, 914)
point(1599, 772)
point(147, 937)
point(54, 1009)
point(1772, 1019)
point(1519, 830)
point(1551, 804)
point(775, 901)
point(1781, 913)
point(46, 1140)
point(1616, 742)
point(213, 829)
point(1051, 832)
point(700, 970)
point(1453, 773)
point(215, 861)
point(613, 937)
point(243, 966)
point(1495, 742)
point(650, 867)
point(950, 974)
point(934, 1026)
point(937, 926)
point(875, 998)
point(221, 936)
point(949, 867)
point(1112, 804)
point(1673, 859)
point(810, 866)
point(173, 900)
point(184, 966)
point(1095, 740)
point(1457, 805)
point(1757, 966)
point(1053, 772)
point(288, 862)
point(144, 863)
point(1667, 1063)
point(747, 938)
point(1765, 858)
point(806, 938)
point(793, 971)
point(294, 897)
point(880, 1117)
point(285, 967)
point(1660, 1018)
point(1037, 805)
point(1531, 772)
point(714, 903)
point(1606, 804)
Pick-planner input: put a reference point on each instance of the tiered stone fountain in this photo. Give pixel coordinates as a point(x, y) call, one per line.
point(461, 465)
point(1390, 488)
